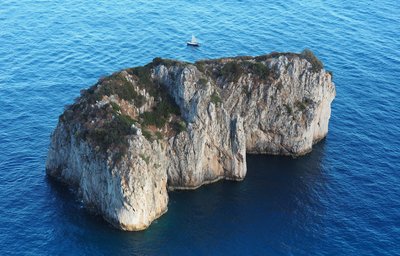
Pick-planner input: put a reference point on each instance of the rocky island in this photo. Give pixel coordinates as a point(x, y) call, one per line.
point(169, 125)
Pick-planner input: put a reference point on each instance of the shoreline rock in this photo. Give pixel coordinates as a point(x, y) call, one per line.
point(169, 125)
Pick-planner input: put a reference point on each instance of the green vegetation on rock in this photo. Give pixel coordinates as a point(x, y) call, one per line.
point(161, 112)
point(232, 71)
point(166, 62)
point(215, 98)
point(159, 135)
point(310, 57)
point(257, 68)
point(288, 109)
point(202, 82)
point(180, 126)
point(300, 105)
point(106, 124)
point(116, 84)
point(115, 106)
point(200, 66)
point(143, 75)
point(145, 158)
point(147, 135)
point(112, 132)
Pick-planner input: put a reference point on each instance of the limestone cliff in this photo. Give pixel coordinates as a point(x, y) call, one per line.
point(176, 125)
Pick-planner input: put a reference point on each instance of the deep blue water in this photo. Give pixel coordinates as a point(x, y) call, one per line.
point(341, 199)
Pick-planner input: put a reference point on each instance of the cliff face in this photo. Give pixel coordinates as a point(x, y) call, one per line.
point(175, 125)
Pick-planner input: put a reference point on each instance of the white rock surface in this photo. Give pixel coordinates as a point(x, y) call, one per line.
point(285, 115)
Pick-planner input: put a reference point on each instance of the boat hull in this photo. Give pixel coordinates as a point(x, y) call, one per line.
point(193, 44)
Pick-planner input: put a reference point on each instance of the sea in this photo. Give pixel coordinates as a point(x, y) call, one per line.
point(343, 198)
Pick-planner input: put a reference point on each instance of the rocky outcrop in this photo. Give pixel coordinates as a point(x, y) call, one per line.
point(176, 125)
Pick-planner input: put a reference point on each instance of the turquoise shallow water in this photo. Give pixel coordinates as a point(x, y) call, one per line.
point(343, 198)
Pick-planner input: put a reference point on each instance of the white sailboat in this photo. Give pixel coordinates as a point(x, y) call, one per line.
point(194, 42)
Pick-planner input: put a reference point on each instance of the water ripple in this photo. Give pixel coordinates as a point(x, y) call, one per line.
point(343, 198)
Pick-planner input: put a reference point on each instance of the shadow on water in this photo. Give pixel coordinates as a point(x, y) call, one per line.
point(290, 182)
point(279, 196)
point(80, 229)
point(68, 202)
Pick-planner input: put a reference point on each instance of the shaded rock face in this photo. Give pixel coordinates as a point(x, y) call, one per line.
point(113, 189)
point(175, 125)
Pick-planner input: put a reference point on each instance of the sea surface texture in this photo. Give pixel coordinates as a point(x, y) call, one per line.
point(341, 199)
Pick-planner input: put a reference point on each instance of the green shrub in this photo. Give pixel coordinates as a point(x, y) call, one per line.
point(166, 62)
point(307, 101)
point(152, 118)
point(167, 106)
point(157, 61)
point(147, 135)
point(315, 62)
point(140, 100)
point(115, 106)
point(215, 98)
point(180, 126)
point(300, 105)
point(90, 94)
point(288, 109)
point(113, 128)
point(232, 71)
point(145, 158)
point(244, 58)
point(202, 82)
point(125, 120)
point(117, 84)
point(161, 112)
point(258, 68)
point(144, 76)
point(200, 66)
point(159, 135)
point(275, 55)
point(112, 132)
